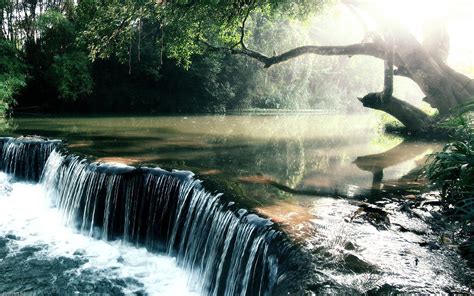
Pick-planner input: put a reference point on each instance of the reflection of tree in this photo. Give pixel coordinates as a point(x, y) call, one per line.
point(295, 159)
point(376, 163)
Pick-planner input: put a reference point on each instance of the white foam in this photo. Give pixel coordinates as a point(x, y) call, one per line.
point(25, 212)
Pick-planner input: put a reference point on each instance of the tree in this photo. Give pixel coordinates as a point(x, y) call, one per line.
point(197, 27)
point(444, 88)
point(12, 75)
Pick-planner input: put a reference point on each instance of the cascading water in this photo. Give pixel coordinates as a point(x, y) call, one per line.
point(227, 250)
point(25, 157)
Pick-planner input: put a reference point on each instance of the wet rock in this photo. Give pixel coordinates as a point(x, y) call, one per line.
point(30, 250)
point(328, 288)
point(3, 248)
point(12, 237)
point(403, 228)
point(357, 265)
point(376, 216)
point(349, 246)
point(430, 245)
point(79, 253)
point(385, 289)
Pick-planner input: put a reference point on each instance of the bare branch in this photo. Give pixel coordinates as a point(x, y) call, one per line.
point(242, 29)
point(369, 49)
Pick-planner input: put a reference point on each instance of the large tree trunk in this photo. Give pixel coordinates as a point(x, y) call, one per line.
point(444, 88)
point(415, 120)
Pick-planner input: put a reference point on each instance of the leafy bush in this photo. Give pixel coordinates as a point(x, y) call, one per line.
point(452, 169)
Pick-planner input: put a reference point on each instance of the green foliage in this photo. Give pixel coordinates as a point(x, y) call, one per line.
point(182, 25)
point(452, 169)
point(112, 27)
point(12, 75)
point(464, 108)
point(70, 73)
point(53, 19)
point(150, 56)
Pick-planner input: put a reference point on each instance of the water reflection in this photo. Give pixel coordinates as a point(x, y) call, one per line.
point(404, 154)
point(299, 151)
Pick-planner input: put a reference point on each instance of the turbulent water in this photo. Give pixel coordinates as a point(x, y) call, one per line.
point(39, 254)
point(403, 254)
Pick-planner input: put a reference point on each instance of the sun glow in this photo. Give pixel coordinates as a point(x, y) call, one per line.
point(419, 16)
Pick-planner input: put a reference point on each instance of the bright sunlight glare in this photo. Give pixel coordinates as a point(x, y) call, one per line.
point(419, 16)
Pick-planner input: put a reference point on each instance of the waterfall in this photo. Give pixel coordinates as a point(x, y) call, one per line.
point(226, 249)
point(25, 157)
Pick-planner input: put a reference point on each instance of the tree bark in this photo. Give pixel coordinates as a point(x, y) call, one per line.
point(415, 120)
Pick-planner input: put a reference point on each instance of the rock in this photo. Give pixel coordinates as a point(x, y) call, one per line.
point(349, 246)
point(12, 237)
point(466, 249)
point(376, 216)
point(385, 289)
point(431, 245)
point(357, 265)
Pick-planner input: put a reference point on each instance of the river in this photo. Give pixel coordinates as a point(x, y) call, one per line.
point(321, 157)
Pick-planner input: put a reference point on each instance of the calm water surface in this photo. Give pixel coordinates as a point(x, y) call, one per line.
point(300, 151)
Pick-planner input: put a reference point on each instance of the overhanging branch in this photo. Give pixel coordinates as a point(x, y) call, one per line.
point(369, 49)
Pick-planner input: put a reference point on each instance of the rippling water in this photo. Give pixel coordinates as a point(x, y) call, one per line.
point(367, 256)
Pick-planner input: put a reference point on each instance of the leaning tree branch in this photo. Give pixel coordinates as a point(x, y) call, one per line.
point(369, 49)
point(375, 49)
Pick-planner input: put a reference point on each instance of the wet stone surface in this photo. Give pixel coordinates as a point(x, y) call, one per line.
point(378, 249)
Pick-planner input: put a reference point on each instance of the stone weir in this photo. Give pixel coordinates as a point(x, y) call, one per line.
point(226, 249)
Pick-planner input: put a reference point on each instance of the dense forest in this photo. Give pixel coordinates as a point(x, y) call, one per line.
point(132, 56)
